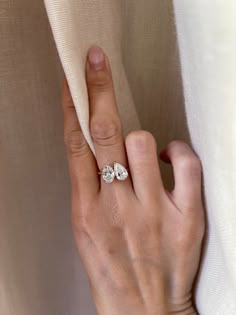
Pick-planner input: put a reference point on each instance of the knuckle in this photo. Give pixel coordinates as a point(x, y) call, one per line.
point(182, 243)
point(99, 82)
point(140, 139)
point(175, 143)
point(105, 132)
point(75, 143)
point(186, 158)
point(179, 146)
point(191, 163)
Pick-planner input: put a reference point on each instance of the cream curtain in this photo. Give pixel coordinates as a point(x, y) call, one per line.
point(206, 31)
point(40, 271)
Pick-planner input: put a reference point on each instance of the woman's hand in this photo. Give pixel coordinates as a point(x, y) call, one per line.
point(139, 243)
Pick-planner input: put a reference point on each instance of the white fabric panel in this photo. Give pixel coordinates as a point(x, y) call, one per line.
point(207, 39)
point(77, 25)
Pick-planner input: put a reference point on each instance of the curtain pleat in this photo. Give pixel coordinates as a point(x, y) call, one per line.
point(76, 26)
point(206, 34)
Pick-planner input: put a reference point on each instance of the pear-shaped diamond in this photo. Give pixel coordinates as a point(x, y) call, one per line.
point(108, 174)
point(121, 172)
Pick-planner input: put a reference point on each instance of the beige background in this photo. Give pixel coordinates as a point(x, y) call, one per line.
point(40, 272)
point(151, 61)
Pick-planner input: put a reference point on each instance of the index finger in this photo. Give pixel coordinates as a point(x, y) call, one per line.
point(82, 164)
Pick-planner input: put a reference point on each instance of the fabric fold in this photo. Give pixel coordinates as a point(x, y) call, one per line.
point(76, 26)
point(206, 34)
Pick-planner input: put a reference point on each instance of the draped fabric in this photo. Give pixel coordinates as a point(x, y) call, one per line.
point(207, 44)
point(40, 271)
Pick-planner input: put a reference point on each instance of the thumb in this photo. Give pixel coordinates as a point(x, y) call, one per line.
point(187, 173)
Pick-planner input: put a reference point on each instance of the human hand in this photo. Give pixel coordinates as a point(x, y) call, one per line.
point(140, 244)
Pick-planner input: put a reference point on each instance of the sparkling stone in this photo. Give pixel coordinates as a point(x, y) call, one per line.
point(108, 174)
point(121, 172)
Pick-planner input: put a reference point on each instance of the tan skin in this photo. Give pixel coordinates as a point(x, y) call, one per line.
point(140, 244)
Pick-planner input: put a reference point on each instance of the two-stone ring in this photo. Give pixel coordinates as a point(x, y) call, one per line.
point(109, 173)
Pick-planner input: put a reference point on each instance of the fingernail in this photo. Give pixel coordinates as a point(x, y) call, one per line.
point(164, 157)
point(96, 58)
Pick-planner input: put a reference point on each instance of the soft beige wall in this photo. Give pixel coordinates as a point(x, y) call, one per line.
point(152, 64)
point(40, 272)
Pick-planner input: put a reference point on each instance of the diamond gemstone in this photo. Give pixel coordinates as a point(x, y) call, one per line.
point(108, 174)
point(121, 172)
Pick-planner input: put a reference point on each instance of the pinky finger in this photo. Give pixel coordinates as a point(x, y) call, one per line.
point(187, 173)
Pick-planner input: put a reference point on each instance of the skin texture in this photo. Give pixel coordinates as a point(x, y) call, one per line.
point(139, 243)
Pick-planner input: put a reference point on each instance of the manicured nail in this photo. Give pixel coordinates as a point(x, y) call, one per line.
point(164, 157)
point(96, 58)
